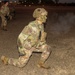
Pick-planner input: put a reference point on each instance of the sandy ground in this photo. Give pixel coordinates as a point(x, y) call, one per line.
point(61, 37)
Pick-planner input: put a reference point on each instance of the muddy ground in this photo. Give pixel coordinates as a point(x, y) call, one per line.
point(61, 37)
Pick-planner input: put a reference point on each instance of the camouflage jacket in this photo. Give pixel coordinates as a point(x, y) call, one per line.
point(31, 33)
point(5, 10)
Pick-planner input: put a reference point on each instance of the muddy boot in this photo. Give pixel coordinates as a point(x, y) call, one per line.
point(42, 65)
point(4, 60)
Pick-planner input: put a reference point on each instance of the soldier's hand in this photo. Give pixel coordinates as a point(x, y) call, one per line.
point(43, 36)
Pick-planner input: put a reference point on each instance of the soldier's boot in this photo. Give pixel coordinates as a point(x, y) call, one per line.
point(4, 60)
point(41, 64)
point(5, 28)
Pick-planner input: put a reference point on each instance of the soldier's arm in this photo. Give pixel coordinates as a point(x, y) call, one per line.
point(8, 11)
point(2, 10)
point(28, 30)
point(43, 35)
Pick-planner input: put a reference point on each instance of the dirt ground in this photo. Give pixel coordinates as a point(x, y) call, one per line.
point(61, 37)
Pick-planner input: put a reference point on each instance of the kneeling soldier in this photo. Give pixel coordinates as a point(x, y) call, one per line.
point(32, 39)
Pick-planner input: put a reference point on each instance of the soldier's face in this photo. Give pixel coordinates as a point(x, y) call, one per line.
point(6, 4)
point(43, 18)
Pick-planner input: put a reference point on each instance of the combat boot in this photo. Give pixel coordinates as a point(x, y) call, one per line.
point(41, 64)
point(4, 60)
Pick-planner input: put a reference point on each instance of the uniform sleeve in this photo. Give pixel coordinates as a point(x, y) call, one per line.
point(42, 29)
point(2, 9)
point(27, 30)
point(8, 11)
point(43, 35)
point(5, 10)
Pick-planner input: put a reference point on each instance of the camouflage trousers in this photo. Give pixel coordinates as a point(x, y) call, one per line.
point(4, 21)
point(22, 60)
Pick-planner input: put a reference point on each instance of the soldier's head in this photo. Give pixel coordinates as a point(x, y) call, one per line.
point(6, 3)
point(40, 14)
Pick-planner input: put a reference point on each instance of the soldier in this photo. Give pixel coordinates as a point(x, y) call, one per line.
point(4, 11)
point(32, 39)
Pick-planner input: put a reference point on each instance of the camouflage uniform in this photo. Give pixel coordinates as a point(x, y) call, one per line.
point(3, 12)
point(31, 39)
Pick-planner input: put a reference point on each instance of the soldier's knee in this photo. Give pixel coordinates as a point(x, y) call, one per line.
point(46, 46)
point(47, 52)
point(47, 49)
point(21, 65)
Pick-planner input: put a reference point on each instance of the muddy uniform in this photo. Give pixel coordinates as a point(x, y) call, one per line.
point(3, 12)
